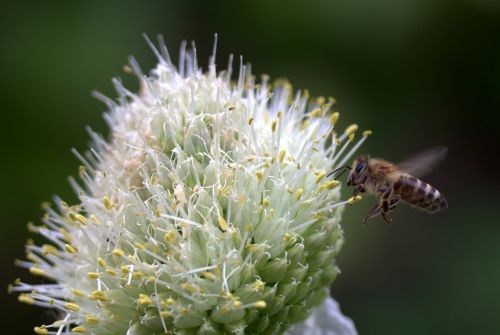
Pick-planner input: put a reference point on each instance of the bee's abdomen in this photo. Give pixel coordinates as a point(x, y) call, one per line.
point(420, 194)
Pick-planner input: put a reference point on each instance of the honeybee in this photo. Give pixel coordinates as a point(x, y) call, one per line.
point(392, 183)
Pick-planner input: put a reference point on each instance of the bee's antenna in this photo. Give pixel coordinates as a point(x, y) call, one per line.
point(345, 167)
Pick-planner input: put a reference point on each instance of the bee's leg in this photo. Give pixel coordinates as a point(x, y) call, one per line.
point(372, 213)
point(385, 204)
point(388, 205)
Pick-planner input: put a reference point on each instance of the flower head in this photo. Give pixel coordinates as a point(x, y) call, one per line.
point(208, 210)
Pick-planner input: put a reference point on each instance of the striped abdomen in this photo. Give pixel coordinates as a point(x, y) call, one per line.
point(420, 194)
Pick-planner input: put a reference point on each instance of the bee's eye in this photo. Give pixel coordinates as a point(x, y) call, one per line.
point(360, 166)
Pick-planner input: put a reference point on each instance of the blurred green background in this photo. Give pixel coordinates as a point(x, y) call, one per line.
point(417, 72)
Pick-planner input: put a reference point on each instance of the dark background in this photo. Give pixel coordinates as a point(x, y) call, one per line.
point(418, 72)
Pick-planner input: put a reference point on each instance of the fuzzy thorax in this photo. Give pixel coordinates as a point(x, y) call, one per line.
point(206, 212)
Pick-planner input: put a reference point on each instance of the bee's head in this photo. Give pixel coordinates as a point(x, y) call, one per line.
point(359, 172)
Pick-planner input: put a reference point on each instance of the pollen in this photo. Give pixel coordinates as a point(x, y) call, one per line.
point(334, 118)
point(351, 129)
point(92, 275)
point(320, 176)
point(261, 304)
point(101, 262)
point(69, 249)
point(79, 330)
point(37, 271)
point(26, 299)
point(315, 113)
point(367, 133)
point(92, 319)
point(72, 306)
point(223, 224)
point(106, 202)
point(298, 194)
point(118, 252)
point(41, 330)
point(354, 199)
point(77, 292)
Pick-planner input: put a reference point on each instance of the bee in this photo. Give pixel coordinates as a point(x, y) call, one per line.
point(392, 183)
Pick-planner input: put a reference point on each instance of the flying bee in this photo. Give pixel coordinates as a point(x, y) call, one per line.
point(392, 183)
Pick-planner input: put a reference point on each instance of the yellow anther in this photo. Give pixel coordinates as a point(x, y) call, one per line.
point(189, 287)
point(124, 269)
point(304, 125)
point(101, 262)
point(266, 202)
point(139, 245)
point(95, 220)
point(250, 121)
point(170, 301)
point(320, 176)
point(351, 137)
point(329, 185)
point(222, 223)
point(77, 292)
point(280, 115)
point(106, 202)
point(209, 275)
point(69, 249)
point(259, 285)
point(334, 118)
point(354, 199)
point(315, 113)
point(127, 69)
point(117, 252)
point(169, 236)
point(236, 303)
point(48, 249)
point(37, 271)
point(367, 133)
point(72, 306)
point(259, 174)
point(289, 189)
point(281, 155)
point(144, 300)
point(260, 304)
point(273, 126)
point(137, 275)
point(298, 194)
point(91, 319)
point(82, 219)
point(99, 293)
point(31, 257)
point(79, 329)
point(351, 129)
point(111, 272)
point(287, 237)
point(92, 275)
point(32, 228)
point(66, 235)
point(164, 314)
point(26, 299)
point(337, 141)
point(41, 330)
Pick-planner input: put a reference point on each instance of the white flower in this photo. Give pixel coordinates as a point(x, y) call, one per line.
point(208, 211)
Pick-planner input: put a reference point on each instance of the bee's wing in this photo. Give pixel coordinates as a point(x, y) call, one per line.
point(423, 162)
